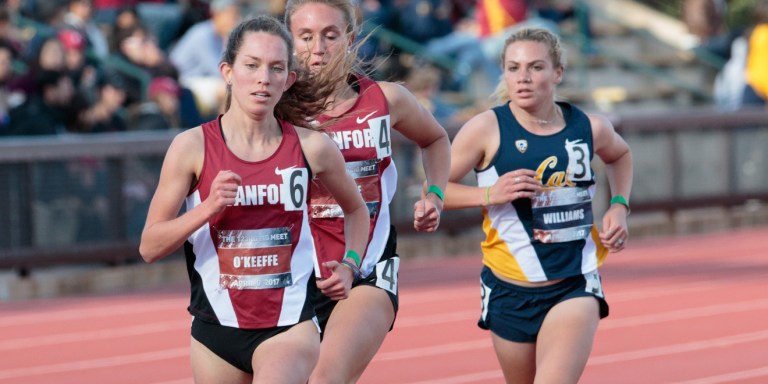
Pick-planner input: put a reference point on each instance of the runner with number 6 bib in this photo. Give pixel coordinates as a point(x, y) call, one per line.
point(245, 178)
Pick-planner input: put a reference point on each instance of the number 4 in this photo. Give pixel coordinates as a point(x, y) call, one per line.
point(386, 274)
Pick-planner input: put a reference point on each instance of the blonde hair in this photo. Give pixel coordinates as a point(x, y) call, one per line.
point(341, 66)
point(537, 35)
point(344, 6)
point(349, 63)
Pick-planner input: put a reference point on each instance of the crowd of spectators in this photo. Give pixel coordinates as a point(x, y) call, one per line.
point(84, 66)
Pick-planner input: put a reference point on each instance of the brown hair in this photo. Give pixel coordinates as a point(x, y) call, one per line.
point(537, 35)
point(307, 97)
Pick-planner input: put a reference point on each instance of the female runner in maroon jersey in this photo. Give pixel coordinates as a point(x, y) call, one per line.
point(245, 178)
point(362, 114)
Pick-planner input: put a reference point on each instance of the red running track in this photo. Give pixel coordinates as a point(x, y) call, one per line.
point(690, 310)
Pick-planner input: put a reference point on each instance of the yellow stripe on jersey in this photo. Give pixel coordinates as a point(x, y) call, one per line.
point(602, 252)
point(496, 254)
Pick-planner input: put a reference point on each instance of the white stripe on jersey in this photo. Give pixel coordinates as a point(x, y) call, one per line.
point(589, 252)
point(505, 220)
point(207, 265)
point(295, 295)
point(382, 225)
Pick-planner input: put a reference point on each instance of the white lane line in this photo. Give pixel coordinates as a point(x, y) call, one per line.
point(685, 314)
point(666, 350)
point(404, 322)
point(433, 350)
point(670, 290)
point(729, 377)
point(719, 342)
point(481, 377)
point(78, 337)
point(115, 361)
point(57, 316)
point(188, 380)
point(438, 318)
point(439, 294)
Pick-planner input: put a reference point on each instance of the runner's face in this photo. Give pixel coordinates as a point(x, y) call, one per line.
point(260, 73)
point(319, 34)
point(529, 73)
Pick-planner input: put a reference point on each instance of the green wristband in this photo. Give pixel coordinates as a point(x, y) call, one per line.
point(619, 199)
point(437, 191)
point(351, 254)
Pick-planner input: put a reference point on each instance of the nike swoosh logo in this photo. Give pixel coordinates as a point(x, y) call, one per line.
point(569, 143)
point(279, 171)
point(364, 118)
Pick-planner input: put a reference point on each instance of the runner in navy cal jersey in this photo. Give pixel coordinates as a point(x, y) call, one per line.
point(541, 292)
point(246, 180)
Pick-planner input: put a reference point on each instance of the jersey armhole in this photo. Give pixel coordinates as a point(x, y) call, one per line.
point(498, 149)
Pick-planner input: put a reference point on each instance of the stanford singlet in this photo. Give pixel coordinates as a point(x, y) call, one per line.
point(250, 264)
point(363, 136)
point(533, 239)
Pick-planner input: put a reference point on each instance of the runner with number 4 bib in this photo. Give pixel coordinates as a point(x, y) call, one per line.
point(362, 114)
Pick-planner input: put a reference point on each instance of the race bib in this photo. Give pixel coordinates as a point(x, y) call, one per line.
point(381, 136)
point(594, 286)
point(387, 273)
point(254, 259)
point(562, 214)
point(294, 190)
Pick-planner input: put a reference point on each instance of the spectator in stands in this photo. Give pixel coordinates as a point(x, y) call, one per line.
point(82, 71)
point(198, 52)
point(105, 113)
point(165, 92)
point(49, 56)
point(558, 11)
point(706, 19)
point(48, 13)
point(138, 47)
point(7, 99)
point(45, 111)
point(78, 17)
point(423, 20)
point(8, 30)
point(126, 19)
point(430, 22)
point(161, 110)
point(424, 82)
point(756, 89)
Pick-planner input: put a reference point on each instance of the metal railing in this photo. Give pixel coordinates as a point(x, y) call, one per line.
point(83, 198)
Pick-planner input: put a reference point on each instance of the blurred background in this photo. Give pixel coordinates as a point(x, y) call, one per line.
point(93, 91)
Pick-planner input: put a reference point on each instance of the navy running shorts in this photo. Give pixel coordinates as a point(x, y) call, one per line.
point(516, 313)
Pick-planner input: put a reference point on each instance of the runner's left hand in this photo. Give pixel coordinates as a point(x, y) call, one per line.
point(426, 213)
point(337, 286)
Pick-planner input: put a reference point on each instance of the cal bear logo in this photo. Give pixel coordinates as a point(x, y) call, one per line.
point(522, 145)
